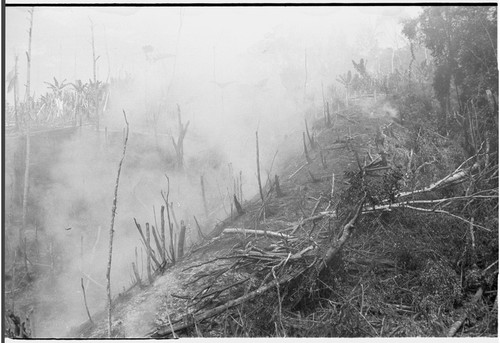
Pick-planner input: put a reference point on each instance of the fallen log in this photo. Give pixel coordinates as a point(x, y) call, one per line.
point(333, 250)
point(257, 232)
point(457, 176)
point(454, 328)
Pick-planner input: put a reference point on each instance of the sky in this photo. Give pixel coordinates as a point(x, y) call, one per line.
point(61, 43)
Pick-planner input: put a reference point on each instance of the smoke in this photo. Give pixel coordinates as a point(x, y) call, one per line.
point(390, 111)
point(229, 71)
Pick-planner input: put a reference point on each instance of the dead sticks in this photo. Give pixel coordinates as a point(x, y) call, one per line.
point(170, 225)
point(205, 207)
point(149, 250)
point(167, 330)
point(85, 301)
point(148, 257)
point(258, 166)
point(308, 159)
point(158, 244)
point(162, 223)
point(256, 232)
point(180, 243)
point(312, 142)
point(200, 232)
point(111, 229)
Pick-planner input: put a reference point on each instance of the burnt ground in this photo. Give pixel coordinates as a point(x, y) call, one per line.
point(395, 277)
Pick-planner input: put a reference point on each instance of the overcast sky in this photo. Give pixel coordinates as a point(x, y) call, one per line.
point(61, 36)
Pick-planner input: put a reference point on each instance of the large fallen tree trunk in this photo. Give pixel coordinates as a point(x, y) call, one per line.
point(458, 176)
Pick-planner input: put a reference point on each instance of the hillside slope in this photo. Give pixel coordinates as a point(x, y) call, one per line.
point(394, 276)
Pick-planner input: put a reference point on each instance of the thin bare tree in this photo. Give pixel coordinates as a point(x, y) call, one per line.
point(111, 229)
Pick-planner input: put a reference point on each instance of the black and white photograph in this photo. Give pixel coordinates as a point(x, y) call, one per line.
point(249, 170)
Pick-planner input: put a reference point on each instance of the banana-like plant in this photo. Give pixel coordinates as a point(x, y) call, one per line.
point(81, 98)
point(57, 90)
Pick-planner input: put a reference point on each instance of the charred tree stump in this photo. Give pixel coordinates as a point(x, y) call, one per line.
point(258, 166)
point(205, 207)
point(308, 159)
point(241, 186)
point(313, 178)
point(180, 243)
point(312, 142)
point(237, 205)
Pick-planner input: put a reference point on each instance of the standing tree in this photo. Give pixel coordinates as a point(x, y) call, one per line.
point(27, 96)
point(346, 80)
point(27, 117)
point(58, 98)
point(95, 84)
point(179, 145)
point(12, 85)
point(80, 97)
point(460, 39)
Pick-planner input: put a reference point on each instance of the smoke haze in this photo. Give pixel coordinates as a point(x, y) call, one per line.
point(231, 70)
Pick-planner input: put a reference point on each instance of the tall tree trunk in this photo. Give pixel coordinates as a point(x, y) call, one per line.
point(28, 56)
point(96, 88)
point(26, 182)
point(16, 83)
point(258, 166)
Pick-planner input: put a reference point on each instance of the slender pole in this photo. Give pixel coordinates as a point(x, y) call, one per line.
point(148, 256)
point(26, 178)
point(308, 159)
point(28, 56)
point(85, 301)
point(96, 88)
point(258, 166)
point(162, 223)
point(180, 243)
point(15, 91)
point(205, 207)
point(111, 229)
point(241, 186)
point(28, 101)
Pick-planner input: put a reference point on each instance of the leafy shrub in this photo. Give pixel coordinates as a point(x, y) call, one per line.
point(440, 288)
